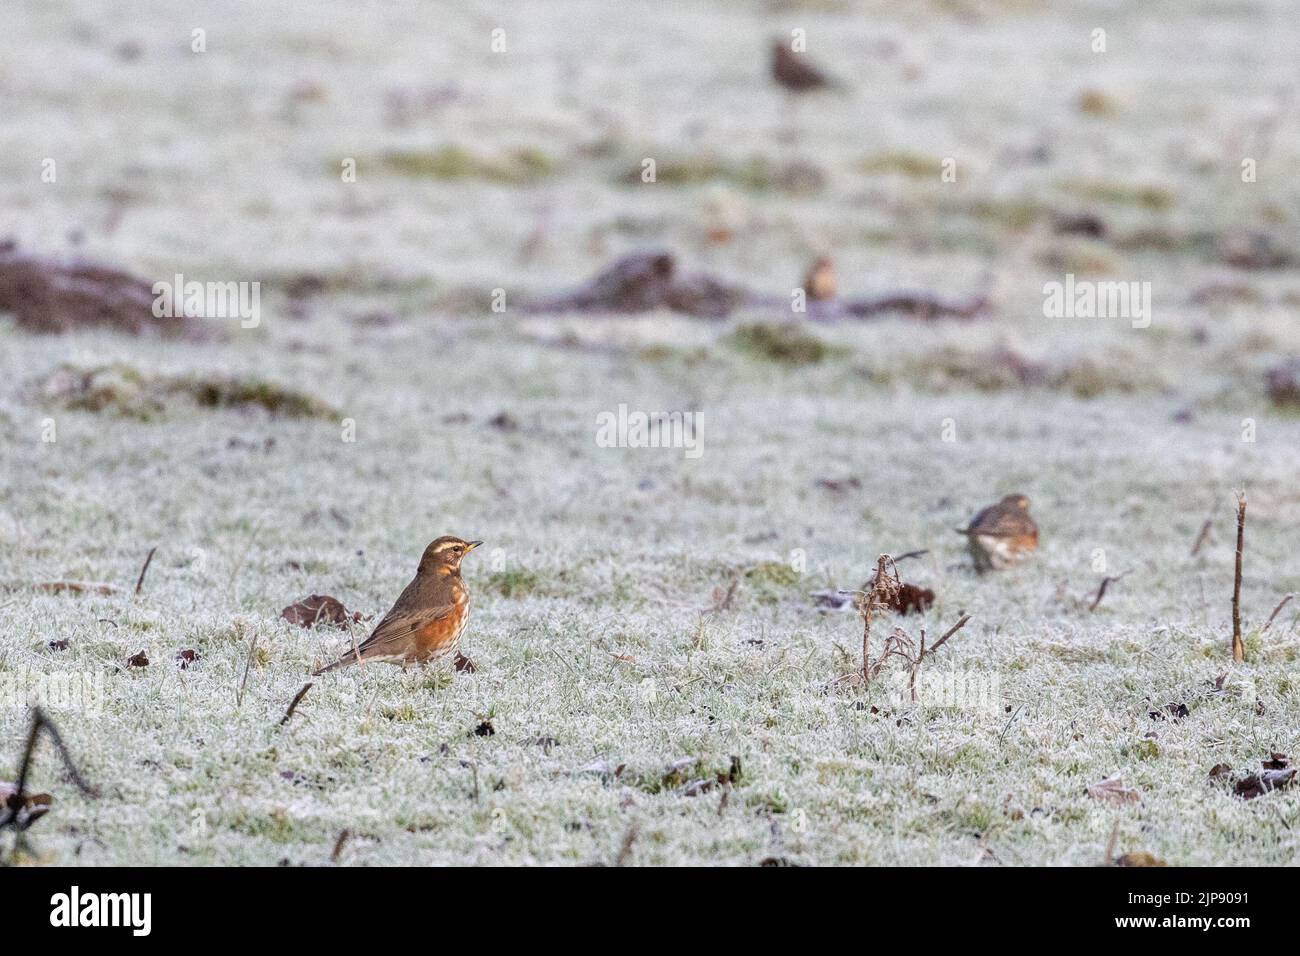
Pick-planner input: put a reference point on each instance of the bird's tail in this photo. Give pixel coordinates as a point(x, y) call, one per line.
point(349, 658)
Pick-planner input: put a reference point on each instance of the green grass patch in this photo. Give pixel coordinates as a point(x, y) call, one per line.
point(513, 584)
point(120, 389)
point(518, 167)
point(785, 343)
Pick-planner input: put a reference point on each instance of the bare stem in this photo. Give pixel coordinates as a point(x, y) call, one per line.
point(139, 583)
point(293, 704)
point(1101, 591)
point(1238, 646)
point(1281, 604)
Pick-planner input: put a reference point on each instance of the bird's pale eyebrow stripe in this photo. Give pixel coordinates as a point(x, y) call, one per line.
point(445, 545)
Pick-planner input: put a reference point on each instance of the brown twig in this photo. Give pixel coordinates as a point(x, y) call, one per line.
point(345, 833)
point(139, 582)
point(1238, 647)
point(950, 632)
point(1203, 537)
point(911, 554)
point(625, 851)
point(293, 704)
point(1105, 583)
point(1281, 604)
point(929, 651)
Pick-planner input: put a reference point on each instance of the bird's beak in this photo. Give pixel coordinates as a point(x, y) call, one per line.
point(472, 546)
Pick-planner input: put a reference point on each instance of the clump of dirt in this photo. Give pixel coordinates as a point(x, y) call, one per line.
point(644, 281)
point(53, 296)
point(121, 389)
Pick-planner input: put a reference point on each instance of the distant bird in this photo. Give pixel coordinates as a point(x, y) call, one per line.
point(792, 71)
point(426, 623)
point(819, 283)
point(1002, 534)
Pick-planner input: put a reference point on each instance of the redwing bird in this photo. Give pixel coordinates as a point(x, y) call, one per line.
point(1002, 534)
point(795, 73)
point(429, 617)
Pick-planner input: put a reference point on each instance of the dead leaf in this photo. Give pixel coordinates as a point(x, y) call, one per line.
point(1177, 712)
point(910, 598)
point(30, 808)
point(1220, 770)
point(485, 729)
point(186, 657)
point(1258, 784)
point(77, 587)
point(1112, 790)
point(319, 609)
point(59, 645)
point(1276, 761)
point(138, 660)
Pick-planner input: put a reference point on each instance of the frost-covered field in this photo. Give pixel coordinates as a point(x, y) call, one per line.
point(603, 659)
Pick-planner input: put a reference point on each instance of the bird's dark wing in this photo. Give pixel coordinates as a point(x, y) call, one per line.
point(981, 522)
